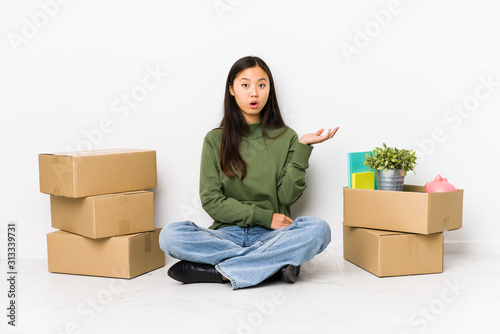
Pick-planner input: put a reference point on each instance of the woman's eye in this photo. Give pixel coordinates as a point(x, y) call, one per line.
point(244, 85)
point(262, 85)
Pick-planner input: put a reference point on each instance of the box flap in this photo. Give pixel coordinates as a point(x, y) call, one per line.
point(98, 152)
point(413, 188)
point(380, 233)
point(120, 194)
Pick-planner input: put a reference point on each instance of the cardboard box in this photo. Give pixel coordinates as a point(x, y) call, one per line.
point(122, 257)
point(81, 174)
point(104, 215)
point(411, 210)
point(386, 253)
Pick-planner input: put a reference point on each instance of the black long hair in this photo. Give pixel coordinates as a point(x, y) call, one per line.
point(234, 125)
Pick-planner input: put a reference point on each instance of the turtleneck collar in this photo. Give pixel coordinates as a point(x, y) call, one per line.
point(255, 130)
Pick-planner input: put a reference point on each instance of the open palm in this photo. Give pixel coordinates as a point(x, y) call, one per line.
point(318, 137)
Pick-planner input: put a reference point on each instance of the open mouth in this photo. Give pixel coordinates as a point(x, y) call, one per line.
point(254, 105)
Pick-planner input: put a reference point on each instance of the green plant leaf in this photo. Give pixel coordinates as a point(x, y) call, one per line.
point(391, 158)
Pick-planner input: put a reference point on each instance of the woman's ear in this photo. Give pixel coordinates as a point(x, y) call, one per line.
point(231, 91)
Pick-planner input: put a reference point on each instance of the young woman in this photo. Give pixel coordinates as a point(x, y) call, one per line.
point(252, 170)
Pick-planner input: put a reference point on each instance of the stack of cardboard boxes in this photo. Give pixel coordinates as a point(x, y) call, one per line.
point(105, 217)
point(394, 233)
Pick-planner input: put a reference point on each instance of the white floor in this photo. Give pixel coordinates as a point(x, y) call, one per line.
point(332, 296)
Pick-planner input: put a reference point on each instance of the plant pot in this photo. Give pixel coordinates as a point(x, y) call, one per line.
point(393, 179)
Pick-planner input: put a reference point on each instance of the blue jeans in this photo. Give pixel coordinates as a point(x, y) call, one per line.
point(247, 255)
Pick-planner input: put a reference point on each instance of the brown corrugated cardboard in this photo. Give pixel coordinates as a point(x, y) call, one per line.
point(104, 215)
point(411, 210)
point(386, 253)
point(121, 257)
point(81, 174)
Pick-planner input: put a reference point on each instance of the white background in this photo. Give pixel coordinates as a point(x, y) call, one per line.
point(384, 71)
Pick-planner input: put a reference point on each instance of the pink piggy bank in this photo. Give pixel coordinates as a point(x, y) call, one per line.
point(439, 185)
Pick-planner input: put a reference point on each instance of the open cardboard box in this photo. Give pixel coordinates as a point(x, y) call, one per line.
point(89, 173)
point(387, 253)
point(125, 256)
point(104, 215)
point(411, 210)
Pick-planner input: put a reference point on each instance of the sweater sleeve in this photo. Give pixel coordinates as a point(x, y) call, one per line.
point(292, 183)
point(220, 207)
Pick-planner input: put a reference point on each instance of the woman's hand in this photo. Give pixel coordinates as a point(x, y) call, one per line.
point(280, 221)
point(316, 138)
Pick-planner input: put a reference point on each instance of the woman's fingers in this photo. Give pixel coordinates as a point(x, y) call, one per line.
point(319, 132)
point(280, 220)
point(318, 136)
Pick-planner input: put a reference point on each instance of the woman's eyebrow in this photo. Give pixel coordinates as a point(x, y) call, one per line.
point(257, 80)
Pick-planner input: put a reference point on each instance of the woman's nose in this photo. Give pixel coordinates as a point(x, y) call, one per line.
point(254, 93)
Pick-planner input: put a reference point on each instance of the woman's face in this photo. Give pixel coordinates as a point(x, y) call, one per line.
point(251, 90)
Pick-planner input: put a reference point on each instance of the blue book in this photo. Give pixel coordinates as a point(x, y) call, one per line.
point(355, 162)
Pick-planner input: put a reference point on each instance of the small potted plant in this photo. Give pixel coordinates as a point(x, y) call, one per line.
point(391, 166)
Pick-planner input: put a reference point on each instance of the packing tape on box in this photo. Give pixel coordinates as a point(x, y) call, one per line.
point(124, 226)
point(147, 242)
point(123, 199)
point(59, 168)
point(411, 249)
point(446, 223)
point(56, 191)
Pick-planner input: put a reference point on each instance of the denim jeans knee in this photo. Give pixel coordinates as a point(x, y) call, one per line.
point(319, 229)
point(168, 236)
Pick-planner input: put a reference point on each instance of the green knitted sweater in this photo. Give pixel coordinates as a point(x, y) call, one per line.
point(276, 168)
